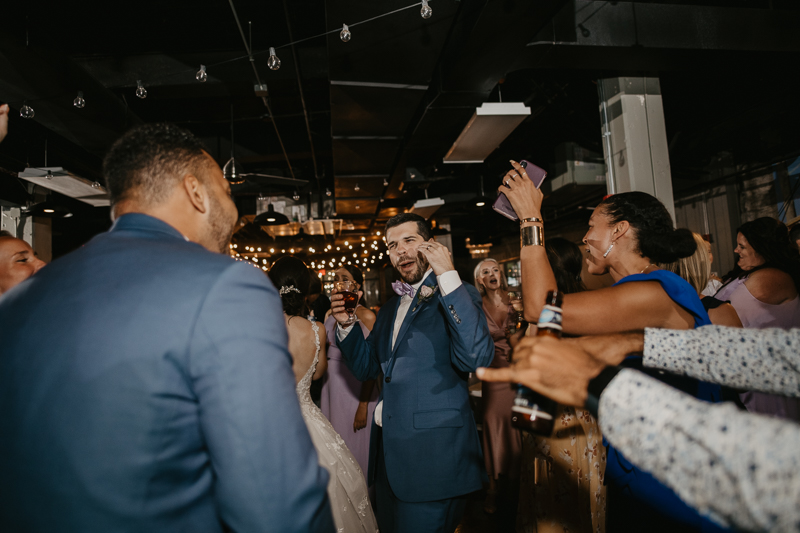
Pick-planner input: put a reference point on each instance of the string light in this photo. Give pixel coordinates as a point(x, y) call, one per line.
point(327, 192)
point(79, 102)
point(26, 111)
point(95, 185)
point(356, 188)
point(202, 75)
point(295, 195)
point(141, 92)
point(345, 34)
point(49, 175)
point(273, 62)
point(385, 182)
point(426, 10)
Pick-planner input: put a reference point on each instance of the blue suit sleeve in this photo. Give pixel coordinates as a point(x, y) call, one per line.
point(359, 354)
point(472, 345)
point(266, 467)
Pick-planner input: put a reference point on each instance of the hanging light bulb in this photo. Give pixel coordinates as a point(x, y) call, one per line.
point(141, 92)
point(95, 185)
point(273, 62)
point(295, 195)
point(79, 102)
point(385, 182)
point(426, 10)
point(356, 188)
point(201, 75)
point(26, 111)
point(345, 34)
point(232, 172)
point(327, 191)
point(49, 175)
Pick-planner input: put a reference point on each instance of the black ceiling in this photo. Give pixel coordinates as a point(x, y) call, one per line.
point(397, 95)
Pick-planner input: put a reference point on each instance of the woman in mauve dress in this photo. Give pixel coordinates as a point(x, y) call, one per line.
point(502, 443)
point(345, 401)
point(764, 288)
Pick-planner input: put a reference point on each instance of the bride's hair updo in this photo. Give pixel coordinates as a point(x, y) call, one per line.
point(290, 276)
point(657, 238)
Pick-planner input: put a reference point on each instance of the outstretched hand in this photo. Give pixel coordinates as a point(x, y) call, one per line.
point(338, 311)
point(525, 198)
point(3, 121)
point(559, 370)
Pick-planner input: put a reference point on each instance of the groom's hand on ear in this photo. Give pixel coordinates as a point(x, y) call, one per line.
point(438, 257)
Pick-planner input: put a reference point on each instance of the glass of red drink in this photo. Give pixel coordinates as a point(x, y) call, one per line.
point(349, 292)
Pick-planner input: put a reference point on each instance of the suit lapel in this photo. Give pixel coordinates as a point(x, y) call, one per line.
point(414, 310)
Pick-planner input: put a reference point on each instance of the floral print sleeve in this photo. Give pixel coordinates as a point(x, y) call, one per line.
point(712, 455)
point(766, 360)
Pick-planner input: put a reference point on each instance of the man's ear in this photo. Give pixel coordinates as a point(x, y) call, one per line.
point(196, 192)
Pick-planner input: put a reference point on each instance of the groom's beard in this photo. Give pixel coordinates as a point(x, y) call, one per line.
point(415, 276)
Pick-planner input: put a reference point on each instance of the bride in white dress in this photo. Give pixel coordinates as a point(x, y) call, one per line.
point(347, 489)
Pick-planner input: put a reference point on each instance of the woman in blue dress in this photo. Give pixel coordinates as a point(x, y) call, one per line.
point(628, 234)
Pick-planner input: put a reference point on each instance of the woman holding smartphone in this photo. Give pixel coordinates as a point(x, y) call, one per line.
point(628, 233)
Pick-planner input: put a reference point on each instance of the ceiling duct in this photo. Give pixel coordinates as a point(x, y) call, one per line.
point(427, 207)
point(486, 130)
point(64, 182)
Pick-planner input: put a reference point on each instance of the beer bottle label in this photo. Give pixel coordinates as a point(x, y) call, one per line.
point(550, 317)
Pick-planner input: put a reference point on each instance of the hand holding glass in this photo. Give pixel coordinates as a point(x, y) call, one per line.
point(349, 292)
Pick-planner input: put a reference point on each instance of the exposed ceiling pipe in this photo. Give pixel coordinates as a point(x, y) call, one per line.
point(258, 79)
point(300, 87)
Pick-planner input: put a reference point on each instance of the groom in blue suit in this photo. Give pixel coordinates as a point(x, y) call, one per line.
point(425, 456)
point(145, 382)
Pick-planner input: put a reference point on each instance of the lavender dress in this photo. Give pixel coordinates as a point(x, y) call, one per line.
point(339, 401)
point(758, 315)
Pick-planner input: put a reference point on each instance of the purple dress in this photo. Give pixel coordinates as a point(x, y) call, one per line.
point(758, 315)
point(339, 400)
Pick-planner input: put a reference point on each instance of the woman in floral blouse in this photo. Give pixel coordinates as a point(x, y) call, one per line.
point(561, 487)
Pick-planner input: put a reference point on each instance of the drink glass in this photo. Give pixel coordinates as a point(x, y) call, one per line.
point(349, 292)
point(516, 316)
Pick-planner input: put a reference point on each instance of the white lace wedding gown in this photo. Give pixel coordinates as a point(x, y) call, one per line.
point(346, 488)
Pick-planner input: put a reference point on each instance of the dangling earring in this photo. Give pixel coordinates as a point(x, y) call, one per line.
point(610, 246)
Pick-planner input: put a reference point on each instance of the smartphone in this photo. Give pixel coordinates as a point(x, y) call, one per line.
point(535, 174)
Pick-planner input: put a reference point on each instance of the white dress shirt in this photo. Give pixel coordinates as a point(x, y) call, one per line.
point(448, 282)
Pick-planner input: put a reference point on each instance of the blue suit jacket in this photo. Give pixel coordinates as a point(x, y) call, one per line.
point(146, 385)
point(430, 443)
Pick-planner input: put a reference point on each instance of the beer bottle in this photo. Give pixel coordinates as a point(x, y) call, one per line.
point(532, 411)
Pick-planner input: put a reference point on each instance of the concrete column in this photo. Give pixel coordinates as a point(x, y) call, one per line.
point(634, 138)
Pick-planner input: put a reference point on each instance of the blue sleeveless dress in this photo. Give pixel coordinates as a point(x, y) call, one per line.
point(637, 484)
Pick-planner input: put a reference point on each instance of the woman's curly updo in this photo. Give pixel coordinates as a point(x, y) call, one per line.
point(657, 238)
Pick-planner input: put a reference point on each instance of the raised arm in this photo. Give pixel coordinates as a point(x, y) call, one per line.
point(537, 275)
point(266, 471)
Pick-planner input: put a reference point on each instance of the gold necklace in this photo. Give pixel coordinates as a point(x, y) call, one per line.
point(645, 268)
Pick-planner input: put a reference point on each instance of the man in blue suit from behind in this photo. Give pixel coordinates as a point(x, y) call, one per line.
point(145, 382)
point(425, 453)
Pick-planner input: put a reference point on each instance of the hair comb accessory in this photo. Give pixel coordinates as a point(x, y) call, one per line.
point(290, 288)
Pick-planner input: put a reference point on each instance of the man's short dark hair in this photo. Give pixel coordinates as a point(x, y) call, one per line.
point(4, 233)
point(422, 225)
point(148, 160)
